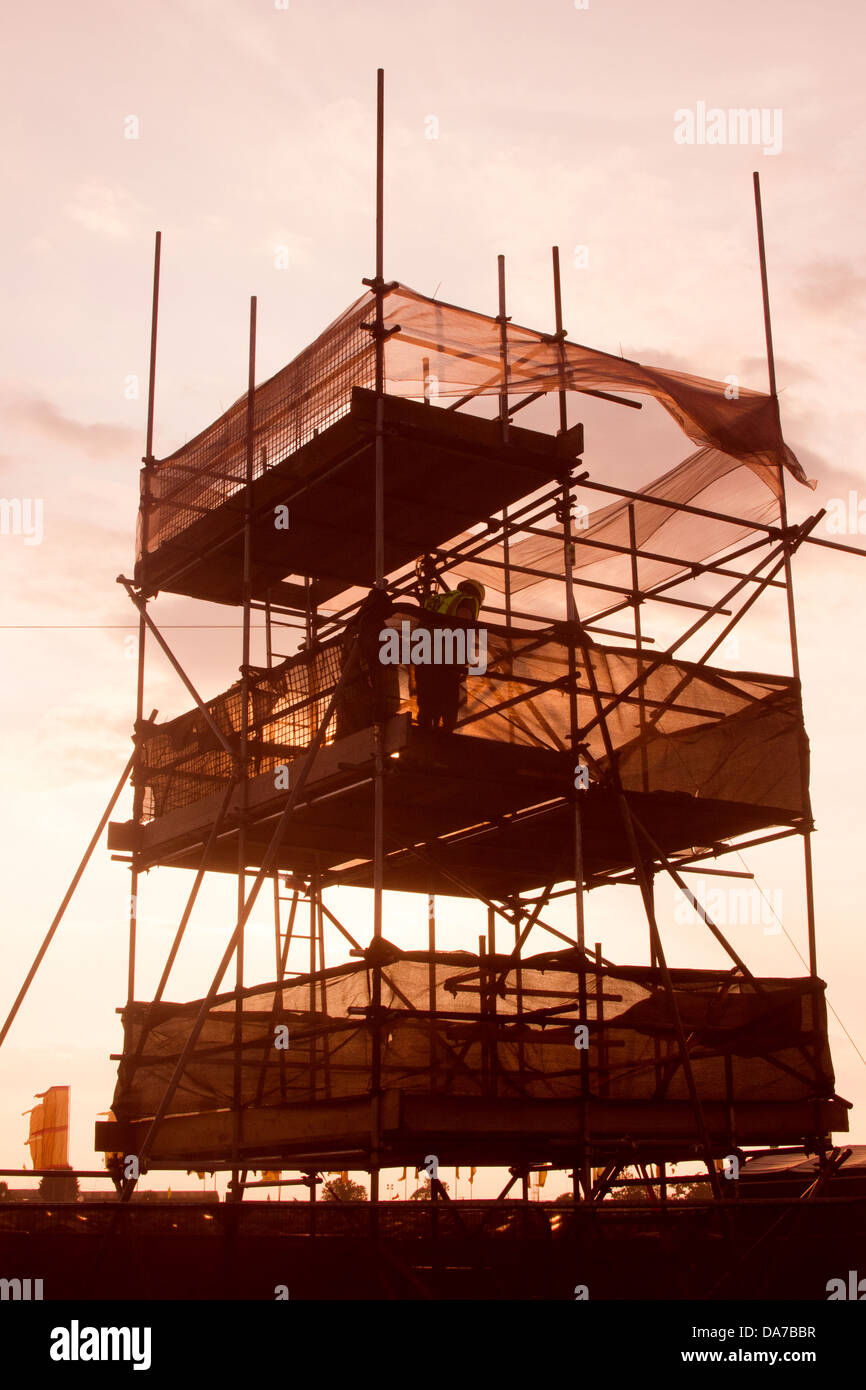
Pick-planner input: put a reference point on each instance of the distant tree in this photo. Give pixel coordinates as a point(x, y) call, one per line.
point(690, 1192)
point(677, 1192)
point(424, 1193)
point(58, 1187)
point(343, 1190)
point(629, 1194)
point(696, 1191)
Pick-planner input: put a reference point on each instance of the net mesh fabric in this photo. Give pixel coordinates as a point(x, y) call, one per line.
point(674, 542)
point(183, 761)
point(290, 408)
point(456, 1026)
point(676, 726)
point(437, 350)
point(461, 351)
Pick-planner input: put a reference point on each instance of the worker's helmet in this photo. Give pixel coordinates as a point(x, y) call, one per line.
point(472, 586)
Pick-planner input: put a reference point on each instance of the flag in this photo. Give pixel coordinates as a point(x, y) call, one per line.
point(48, 1139)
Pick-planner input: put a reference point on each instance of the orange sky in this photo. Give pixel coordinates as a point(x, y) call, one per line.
point(254, 155)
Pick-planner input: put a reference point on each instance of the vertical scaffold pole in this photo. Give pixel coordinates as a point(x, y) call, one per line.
point(502, 320)
point(244, 746)
point(313, 943)
point(789, 588)
point(638, 643)
point(138, 793)
point(577, 828)
point(560, 337)
point(278, 945)
point(431, 978)
point(571, 615)
point(379, 768)
point(637, 599)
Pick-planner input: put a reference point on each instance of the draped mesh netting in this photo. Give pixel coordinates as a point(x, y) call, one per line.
point(182, 761)
point(486, 1029)
point(683, 727)
point(292, 407)
point(672, 542)
point(442, 351)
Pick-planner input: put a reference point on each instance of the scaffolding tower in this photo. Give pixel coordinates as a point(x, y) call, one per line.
point(584, 756)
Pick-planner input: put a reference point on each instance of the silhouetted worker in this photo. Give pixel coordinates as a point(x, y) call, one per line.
point(371, 692)
point(440, 686)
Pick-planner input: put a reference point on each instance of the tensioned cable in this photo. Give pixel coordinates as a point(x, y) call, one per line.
point(800, 955)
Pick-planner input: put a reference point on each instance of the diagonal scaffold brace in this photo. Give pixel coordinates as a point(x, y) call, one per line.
point(264, 871)
point(67, 897)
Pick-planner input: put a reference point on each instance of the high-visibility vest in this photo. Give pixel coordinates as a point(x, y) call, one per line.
point(446, 604)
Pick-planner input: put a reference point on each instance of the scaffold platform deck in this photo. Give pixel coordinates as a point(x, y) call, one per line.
point(464, 815)
point(443, 471)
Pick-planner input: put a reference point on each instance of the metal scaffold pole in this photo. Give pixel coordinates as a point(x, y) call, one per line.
point(379, 768)
point(579, 771)
point(138, 793)
point(637, 599)
point(502, 320)
point(67, 897)
point(789, 592)
point(431, 981)
point(243, 759)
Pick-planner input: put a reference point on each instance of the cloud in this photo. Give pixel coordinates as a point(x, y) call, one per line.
point(89, 739)
point(752, 369)
point(829, 283)
point(106, 210)
point(41, 415)
point(790, 371)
